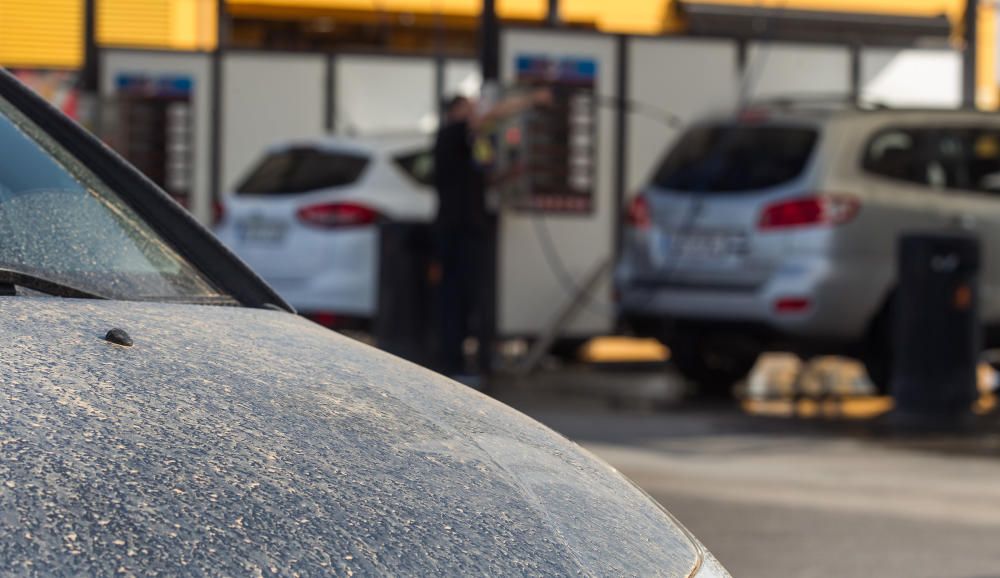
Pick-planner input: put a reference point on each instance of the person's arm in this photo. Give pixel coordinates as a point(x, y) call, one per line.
point(511, 106)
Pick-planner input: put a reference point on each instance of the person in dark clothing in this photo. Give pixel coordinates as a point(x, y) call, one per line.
point(459, 180)
point(461, 227)
point(460, 230)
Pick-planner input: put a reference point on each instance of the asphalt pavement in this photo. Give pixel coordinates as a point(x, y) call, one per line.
point(787, 497)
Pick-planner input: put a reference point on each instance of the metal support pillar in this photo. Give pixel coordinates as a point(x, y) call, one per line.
point(970, 35)
point(489, 62)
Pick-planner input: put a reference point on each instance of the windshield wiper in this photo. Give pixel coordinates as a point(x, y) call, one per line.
point(10, 278)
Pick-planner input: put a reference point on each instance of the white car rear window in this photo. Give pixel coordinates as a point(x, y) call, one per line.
point(300, 170)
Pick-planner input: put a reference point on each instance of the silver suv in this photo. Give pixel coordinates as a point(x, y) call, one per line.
point(776, 229)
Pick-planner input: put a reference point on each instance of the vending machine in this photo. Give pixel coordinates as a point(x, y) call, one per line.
point(549, 151)
point(150, 123)
point(555, 187)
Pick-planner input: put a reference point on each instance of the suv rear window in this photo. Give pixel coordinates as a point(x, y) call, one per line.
point(730, 158)
point(300, 170)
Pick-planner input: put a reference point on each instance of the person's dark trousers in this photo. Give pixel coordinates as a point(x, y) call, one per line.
point(459, 252)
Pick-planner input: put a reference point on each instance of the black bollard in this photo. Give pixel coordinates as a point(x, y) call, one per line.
point(404, 324)
point(936, 334)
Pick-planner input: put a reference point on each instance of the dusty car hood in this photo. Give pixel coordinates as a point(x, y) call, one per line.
point(240, 441)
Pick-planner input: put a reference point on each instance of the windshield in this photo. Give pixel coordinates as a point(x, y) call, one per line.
point(60, 222)
point(736, 158)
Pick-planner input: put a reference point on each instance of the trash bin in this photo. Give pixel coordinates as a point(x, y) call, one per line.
point(404, 323)
point(936, 337)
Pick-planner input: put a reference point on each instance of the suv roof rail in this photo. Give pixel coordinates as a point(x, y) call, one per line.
point(801, 101)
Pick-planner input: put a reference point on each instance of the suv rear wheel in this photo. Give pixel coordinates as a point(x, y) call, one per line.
point(879, 373)
point(713, 367)
point(877, 355)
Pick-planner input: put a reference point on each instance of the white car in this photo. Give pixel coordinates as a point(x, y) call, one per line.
point(306, 218)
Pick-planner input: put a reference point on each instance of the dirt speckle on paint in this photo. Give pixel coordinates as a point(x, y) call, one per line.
point(239, 441)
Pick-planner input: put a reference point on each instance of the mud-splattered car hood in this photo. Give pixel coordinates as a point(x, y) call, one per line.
point(239, 441)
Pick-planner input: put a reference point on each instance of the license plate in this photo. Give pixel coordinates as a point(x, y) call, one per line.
point(261, 229)
point(698, 245)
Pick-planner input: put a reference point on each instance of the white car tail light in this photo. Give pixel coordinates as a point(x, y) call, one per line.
point(337, 215)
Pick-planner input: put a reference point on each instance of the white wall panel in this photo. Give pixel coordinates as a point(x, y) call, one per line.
point(462, 77)
point(912, 77)
point(378, 94)
point(268, 98)
point(790, 70)
point(686, 78)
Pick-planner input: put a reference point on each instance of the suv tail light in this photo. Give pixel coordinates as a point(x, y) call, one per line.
point(324, 318)
point(753, 115)
point(218, 212)
point(337, 215)
point(638, 213)
point(791, 305)
point(818, 210)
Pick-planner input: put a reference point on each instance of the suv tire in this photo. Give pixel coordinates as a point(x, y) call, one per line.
point(879, 368)
point(877, 354)
point(714, 369)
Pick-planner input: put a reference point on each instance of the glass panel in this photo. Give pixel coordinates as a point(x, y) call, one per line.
point(59, 221)
point(736, 158)
point(301, 170)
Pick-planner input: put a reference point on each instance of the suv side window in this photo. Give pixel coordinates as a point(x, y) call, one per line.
point(983, 166)
point(895, 153)
point(946, 156)
point(937, 158)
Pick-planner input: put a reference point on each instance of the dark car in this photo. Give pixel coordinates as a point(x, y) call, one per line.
point(164, 412)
